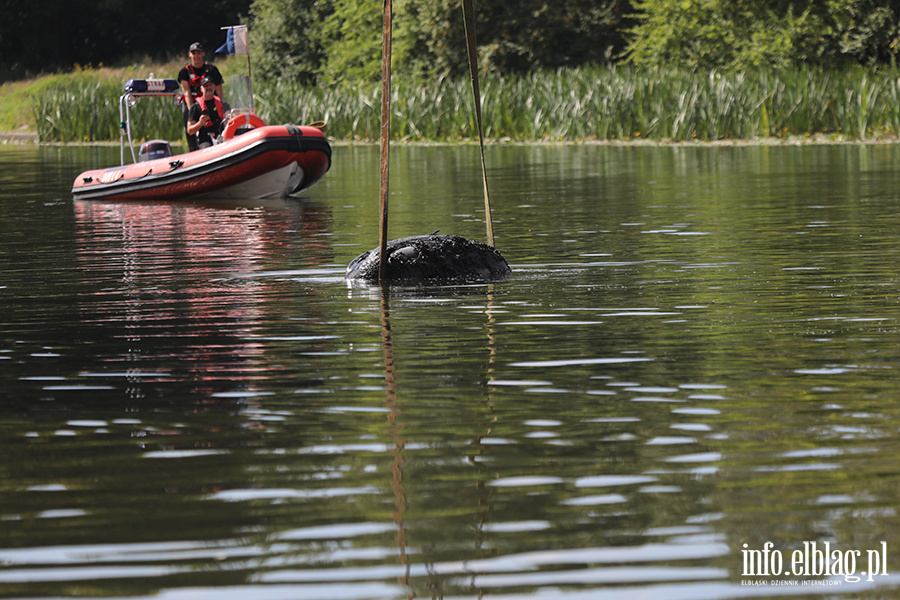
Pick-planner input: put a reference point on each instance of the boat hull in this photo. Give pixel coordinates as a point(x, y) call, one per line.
point(269, 162)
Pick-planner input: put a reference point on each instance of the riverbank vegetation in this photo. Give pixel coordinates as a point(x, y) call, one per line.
point(567, 70)
point(327, 41)
point(617, 103)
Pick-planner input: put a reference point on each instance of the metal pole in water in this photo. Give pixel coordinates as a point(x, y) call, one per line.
point(385, 134)
point(469, 19)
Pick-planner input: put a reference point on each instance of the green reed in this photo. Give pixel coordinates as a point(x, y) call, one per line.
point(605, 103)
point(86, 109)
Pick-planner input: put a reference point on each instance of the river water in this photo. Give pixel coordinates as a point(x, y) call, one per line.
point(688, 384)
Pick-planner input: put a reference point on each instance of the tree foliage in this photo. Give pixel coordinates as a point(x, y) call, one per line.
point(353, 32)
point(513, 35)
point(286, 39)
point(330, 41)
point(429, 35)
point(742, 34)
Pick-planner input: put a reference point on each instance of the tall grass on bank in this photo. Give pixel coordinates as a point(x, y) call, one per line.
point(606, 103)
point(84, 105)
point(88, 110)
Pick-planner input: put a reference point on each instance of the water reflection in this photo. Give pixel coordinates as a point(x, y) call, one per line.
point(170, 266)
point(695, 352)
point(394, 431)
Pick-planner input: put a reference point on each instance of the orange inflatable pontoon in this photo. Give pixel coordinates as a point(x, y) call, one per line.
point(266, 161)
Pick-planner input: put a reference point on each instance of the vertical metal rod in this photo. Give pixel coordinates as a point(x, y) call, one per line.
point(122, 124)
point(250, 77)
point(385, 135)
point(469, 19)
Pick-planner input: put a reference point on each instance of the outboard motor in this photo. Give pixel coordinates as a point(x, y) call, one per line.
point(154, 149)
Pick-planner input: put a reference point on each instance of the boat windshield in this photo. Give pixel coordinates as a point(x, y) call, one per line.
point(239, 91)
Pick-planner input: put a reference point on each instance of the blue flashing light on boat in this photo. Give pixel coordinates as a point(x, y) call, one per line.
point(151, 85)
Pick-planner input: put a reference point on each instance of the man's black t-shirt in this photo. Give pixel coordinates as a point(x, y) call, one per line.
point(193, 76)
point(215, 120)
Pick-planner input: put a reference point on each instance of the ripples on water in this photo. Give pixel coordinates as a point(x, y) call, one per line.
point(696, 351)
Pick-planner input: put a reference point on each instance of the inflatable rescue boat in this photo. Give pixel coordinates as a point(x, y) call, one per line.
point(252, 161)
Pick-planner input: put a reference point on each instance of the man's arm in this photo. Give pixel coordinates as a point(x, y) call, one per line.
point(186, 90)
point(194, 126)
point(196, 120)
point(217, 75)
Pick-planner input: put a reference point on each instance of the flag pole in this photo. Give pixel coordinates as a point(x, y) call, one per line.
point(250, 76)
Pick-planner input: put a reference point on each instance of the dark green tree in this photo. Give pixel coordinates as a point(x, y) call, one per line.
point(338, 40)
point(353, 34)
point(741, 34)
point(868, 30)
point(286, 38)
point(513, 35)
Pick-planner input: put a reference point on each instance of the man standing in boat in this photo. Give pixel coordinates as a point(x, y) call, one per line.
point(206, 115)
point(190, 77)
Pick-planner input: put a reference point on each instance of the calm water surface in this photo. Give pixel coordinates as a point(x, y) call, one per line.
point(697, 354)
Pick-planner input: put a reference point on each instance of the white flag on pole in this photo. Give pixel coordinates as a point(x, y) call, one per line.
point(236, 41)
